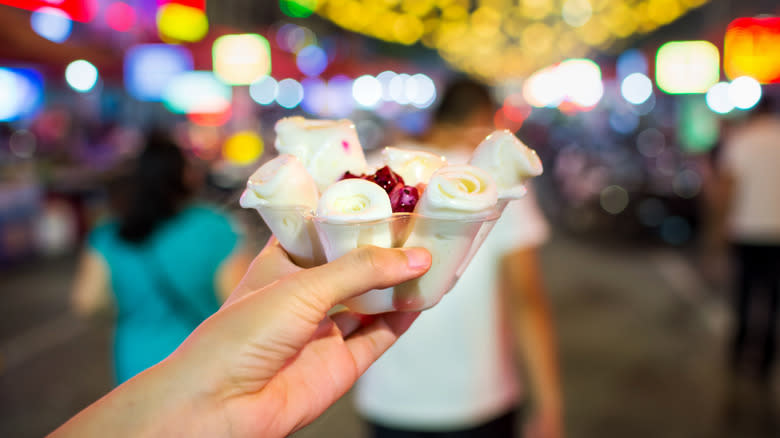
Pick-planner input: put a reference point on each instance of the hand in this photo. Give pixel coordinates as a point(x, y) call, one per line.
point(546, 423)
point(269, 361)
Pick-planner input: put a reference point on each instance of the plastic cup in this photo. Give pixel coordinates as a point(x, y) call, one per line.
point(451, 243)
point(293, 227)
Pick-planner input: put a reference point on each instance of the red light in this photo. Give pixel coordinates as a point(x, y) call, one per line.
point(752, 48)
point(210, 119)
point(78, 10)
point(197, 4)
point(120, 16)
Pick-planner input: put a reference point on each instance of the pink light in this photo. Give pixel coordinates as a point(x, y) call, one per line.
point(120, 16)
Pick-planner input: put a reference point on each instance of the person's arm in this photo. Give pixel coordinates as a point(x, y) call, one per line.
point(90, 291)
point(270, 360)
point(530, 314)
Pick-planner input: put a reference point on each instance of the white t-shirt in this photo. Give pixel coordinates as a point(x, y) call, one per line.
point(454, 368)
point(752, 155)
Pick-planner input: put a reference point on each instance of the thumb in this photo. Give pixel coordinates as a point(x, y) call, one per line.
point(284, 315)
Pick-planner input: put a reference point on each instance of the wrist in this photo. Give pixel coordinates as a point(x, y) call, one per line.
point(155, 403)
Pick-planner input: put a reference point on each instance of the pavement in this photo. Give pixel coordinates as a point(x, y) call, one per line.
point(641, 339)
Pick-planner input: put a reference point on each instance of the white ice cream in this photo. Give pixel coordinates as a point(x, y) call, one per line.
point(350, 214)
point(510, 162)
point(285, 195)
point(414, 166)
point(327, 148)
point(453, 206)
point(458, 192)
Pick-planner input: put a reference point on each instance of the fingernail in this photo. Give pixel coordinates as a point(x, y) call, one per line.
point(417, 258)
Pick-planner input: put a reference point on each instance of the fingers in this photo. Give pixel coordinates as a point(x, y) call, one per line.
point(358, 271)
point(368, 343)
point(270, 265)
point(282, 317)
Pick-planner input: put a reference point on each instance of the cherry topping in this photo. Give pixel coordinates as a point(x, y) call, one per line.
point(404, 198)
point(386, 178)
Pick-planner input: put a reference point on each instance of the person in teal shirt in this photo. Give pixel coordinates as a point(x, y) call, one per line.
point(165, 262)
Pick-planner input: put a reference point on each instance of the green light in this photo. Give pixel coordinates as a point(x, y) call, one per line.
point(687, 67)
point(698, 128)
point(298, 8)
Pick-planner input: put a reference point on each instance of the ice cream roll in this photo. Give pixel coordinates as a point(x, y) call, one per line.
point(509, 161)
point(327, 148)
point(285, 195)
point(453, 209)
point(415, 167)
point(353, 213)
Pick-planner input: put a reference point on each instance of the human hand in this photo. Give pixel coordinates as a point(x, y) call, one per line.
point(269, 361)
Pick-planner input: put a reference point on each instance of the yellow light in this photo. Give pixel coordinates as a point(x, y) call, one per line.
point(181, 23)
point(419, 8)
point(241, 59)
point(407, 29)
point(538, 38)
point(663, 11)
point(243, 148)
point(687, 67)
point(536, 9)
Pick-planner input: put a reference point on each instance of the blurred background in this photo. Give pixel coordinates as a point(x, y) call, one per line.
point(627, 103)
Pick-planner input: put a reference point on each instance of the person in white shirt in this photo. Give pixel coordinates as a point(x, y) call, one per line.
point(454, 373)
point(750, 177)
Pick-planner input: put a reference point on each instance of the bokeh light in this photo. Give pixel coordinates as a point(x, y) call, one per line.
point(744, 92)
point(264, 90)
point(614, 199)
point(675, 230)
point(298, 8)
point(149, 67)
point(684, 67)
point(367, 91)
point(241, 59)
point(197, 92)
point(636, 88)
point(631, 61)
point(289, 93)
point(81, 75)
point(51, 23)
point(311, 60)
point(576, 12)
point(751, 47)
point(21, 93)
point(717, 98)
point(420, 90)
point(176, 22)
point(120, 16)
point(243, 148)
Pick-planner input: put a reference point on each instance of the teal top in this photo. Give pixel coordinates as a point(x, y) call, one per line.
point(186, 251)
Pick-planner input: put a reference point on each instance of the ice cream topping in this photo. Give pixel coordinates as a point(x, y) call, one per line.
point(327, 148)
point(456, 192)
point(354, 200)
point(510, 162)
point(414, 166)
point(281, 181)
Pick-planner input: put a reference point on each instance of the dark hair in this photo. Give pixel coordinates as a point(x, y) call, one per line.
point(156, 189)
point(460, 100)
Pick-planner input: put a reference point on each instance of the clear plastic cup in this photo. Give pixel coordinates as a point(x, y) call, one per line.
point(452, 244)
point(292, 225)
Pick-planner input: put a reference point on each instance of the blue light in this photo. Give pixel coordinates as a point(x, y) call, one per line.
point(81, 75)
point(631, 61)
point(21, 93)
point(149, 67)
point(289, 93)
point(312, 60)
point(52, 24)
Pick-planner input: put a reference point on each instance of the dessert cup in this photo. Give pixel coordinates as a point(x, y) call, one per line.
point(293, 227)
point(451, 243)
